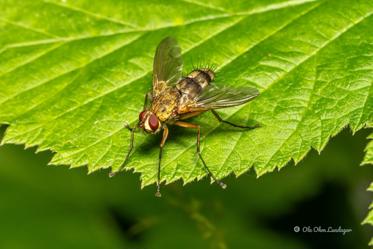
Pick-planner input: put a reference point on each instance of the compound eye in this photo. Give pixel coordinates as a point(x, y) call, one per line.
point(153, 122)
point(142, 116)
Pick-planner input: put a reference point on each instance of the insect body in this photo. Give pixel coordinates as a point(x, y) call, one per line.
point(175, 98)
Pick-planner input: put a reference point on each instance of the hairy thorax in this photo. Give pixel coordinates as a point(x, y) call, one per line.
point(165, 104)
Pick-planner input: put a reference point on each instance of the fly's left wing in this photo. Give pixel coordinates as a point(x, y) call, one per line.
point(168, 64)
point(216, 98)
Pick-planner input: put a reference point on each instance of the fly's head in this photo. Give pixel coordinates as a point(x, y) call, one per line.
point(149, 122)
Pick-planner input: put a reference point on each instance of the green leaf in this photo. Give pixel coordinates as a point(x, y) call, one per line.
point(368, 160)
point(72, 73)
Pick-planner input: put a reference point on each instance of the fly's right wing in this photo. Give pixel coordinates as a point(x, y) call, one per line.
point(167, 66)
point(216, 98)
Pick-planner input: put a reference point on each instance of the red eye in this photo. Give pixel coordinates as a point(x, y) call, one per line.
point(153, 122)
point(142, 116)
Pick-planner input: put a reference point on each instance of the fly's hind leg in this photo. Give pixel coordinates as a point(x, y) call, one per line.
point(217, 116)
point(163, 141)
point(194, 126)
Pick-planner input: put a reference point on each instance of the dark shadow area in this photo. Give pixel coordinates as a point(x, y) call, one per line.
point(151, 142)
point(127, 225)
point(176, 133)
point(2, 131)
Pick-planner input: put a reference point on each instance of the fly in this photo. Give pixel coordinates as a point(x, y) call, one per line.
point(175, 98)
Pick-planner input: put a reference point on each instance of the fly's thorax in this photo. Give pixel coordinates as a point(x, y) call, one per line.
point(164, 105)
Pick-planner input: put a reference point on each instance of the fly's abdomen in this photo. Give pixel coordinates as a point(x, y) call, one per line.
point(192, 85)
point(202, 76)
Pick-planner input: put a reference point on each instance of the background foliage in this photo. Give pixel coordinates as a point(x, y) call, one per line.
point(51, 207)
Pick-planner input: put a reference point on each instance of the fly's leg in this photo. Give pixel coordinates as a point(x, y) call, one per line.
point(111, 174)
point(194, 126)
point(148, 97)
point(232, 124)
point(163, 141)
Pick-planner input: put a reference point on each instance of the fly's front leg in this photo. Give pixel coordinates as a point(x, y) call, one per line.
point(111, 174)
point(148, 97)
point(232, 124)
point(194, 126)
point(163, 141)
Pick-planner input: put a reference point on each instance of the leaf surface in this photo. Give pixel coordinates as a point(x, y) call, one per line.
point(72, 73)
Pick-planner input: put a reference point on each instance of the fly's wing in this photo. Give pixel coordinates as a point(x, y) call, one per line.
point(167, 67)
point(215, 98)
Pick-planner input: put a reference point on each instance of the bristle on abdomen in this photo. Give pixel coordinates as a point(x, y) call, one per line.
point(202, 76)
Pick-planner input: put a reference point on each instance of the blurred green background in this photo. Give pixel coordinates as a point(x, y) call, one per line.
point(54, 207)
